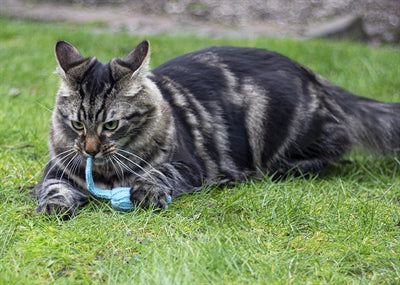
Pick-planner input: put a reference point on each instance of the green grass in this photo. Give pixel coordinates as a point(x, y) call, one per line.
point(340, 228)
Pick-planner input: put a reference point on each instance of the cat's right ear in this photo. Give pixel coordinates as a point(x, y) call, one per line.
point(72, 64)
point(133, 65)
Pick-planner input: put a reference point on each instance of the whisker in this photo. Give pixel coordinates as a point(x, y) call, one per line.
point(131, 161)
point(142, 168)
point(44, 107)
point(68, 164)
point(137, 165)
point(64, 158)
point(141, 159)
point(63, 161)
point(119, 175)
point(75, 166)
point(69, 150)
point(126, 167)
point(66, 153)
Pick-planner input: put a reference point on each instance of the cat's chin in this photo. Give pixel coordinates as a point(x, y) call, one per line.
point(99, 161)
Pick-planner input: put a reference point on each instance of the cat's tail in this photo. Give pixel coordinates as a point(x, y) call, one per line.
point(372, 124)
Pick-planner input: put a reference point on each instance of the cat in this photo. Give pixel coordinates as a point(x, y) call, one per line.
point(218, 115)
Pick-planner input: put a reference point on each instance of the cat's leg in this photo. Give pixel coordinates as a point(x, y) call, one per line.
point(58, 197)
point(326, 147)
point(151, 189)
point(303, 167)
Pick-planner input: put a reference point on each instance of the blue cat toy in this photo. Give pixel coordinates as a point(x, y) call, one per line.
point(119, 196)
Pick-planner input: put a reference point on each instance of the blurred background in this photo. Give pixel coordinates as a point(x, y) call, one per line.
point(372, 21)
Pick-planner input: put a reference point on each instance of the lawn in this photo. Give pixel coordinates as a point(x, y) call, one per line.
point(339, 228)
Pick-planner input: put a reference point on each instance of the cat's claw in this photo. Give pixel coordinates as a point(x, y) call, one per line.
point(148, 195)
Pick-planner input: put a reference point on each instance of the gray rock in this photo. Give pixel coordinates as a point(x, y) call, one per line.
point(345, 27)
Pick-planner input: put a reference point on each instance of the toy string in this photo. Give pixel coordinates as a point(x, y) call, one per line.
point(119, 197)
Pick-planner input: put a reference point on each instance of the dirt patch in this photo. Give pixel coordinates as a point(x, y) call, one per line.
point(136, 21)
point(379, 20)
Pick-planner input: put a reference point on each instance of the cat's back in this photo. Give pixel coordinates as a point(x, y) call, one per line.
point(238, 58)
point(219, 66)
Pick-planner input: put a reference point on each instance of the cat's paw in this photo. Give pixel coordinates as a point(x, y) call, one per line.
point(56, 205)
point(58, 199)
point(55, 208)
point(147, 195)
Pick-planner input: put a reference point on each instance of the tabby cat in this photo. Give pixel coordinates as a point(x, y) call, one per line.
point(213, 116)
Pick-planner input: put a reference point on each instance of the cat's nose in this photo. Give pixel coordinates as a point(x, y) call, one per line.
point(92, 145)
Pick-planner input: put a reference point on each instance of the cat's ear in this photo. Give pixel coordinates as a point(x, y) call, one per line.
point(70, 61)
point(134, 64)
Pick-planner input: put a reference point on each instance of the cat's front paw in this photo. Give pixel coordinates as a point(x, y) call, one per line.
point(56, 205)
point(58, 199)
point(148, 195)
point(55, 208)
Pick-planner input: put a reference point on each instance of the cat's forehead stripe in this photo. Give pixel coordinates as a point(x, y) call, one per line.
point(94, 93)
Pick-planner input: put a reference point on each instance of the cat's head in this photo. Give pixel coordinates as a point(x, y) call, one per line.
point(101, 108)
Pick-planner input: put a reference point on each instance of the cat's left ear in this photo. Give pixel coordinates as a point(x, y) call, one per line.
point(134, 64)
point(71, 62)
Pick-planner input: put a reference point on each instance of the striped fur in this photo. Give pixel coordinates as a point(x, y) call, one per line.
point(217, 115)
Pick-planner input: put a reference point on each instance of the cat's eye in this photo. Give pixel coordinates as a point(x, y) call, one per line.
point(77, 125)
point(111, 126)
